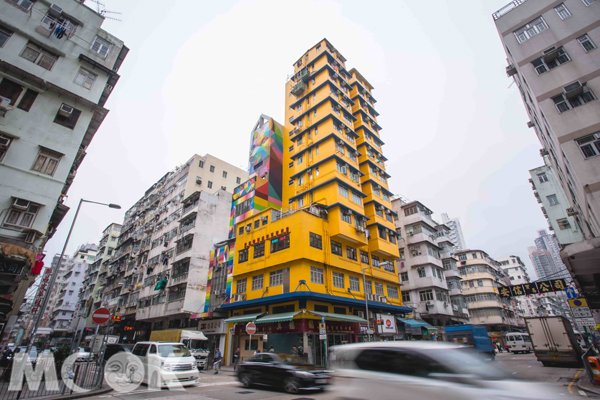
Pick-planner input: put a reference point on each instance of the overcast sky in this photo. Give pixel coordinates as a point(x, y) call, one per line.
point(200, 73)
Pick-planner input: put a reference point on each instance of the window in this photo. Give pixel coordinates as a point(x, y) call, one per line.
point(421, 271)
point(346, 216)
point(27, 100)
point(317, 171)
point(101, 46)
point(265, 220)
point(85, 78)
point(37, 55)
point(426, 295)
point(243, 256)
point(290, 165)
point(223, 187)
point(300, 180)
point(375, 260)
point(209, 184)
point(10, 90)
point(562, 11)
point(541, 66)
point(586, 43)
point(316, 149)
point(238, 180)
point(479, 282)
point(224, 174)
point(589, 145)
point(316, 241)
point(336, 248)
point(533, 28)
point(256, 224)
point(276, 278)
point(563, 224)
point(405, 297)
point(257, 282)
point(46, 162)
point(301, 202)
point(392, 292)
point(201, 164)
point(474, 255)
point(364, 257)
point(5, 34)
point(241, 230)
point(354, 284)
point(415, 251)
point(379, 289)
point(67, 116)
point(542, 177)
point(212, 168)
point(343, 191)
point(588, 2)
point(552, 199)
point(338, 280)
point(259, 250)
point(563, 104)
point(5, 142)
point(22, 213)
point(281, 243)
point(356, 197)
point(351, 253)
point(316, 275)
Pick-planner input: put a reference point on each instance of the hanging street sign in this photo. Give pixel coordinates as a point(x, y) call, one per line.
point(582, 312)
point(571, 293)
point(533, 288)
point(576, 303)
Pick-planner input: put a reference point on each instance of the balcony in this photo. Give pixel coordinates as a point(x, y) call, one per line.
point(383, 247)
point(485, 304)
point(177, 279)
point(452, 273)
point(455, 292)
point(423, 259)
point(427, 281)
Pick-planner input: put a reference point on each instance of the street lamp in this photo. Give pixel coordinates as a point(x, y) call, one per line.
point(367, 304)
point(55, 271)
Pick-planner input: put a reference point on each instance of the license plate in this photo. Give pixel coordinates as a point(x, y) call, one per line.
point(321, 381)
point(514, 346)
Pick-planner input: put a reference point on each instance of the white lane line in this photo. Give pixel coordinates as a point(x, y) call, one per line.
point(581, 392)
point(514, 373)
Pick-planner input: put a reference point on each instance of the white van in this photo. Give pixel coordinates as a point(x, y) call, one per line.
point(166, 363)
point(518, 342)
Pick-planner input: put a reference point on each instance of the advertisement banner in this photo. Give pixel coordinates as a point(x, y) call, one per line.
point(386, 324)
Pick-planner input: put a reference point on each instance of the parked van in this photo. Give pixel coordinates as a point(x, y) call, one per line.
point(518, 342)
point(166, 363)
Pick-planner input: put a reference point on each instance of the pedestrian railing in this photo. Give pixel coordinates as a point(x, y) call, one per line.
point(586, 364)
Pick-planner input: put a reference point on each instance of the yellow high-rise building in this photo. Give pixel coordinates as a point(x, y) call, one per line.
point(313, 227)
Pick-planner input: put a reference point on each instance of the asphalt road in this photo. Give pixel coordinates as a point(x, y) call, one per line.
point(225, 386)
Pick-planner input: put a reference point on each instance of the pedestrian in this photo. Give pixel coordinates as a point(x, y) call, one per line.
point(499, 346)
point(257, 351)
point(217, 361)
point(295, 351)
point(271, 349)
point(236, 358)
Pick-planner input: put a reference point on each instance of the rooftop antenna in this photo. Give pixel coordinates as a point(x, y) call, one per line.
point(101, 9)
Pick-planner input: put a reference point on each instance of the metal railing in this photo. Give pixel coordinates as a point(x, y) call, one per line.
point(507, 8)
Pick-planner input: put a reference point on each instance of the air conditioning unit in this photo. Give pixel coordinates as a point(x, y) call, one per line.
point(361, 314)
point(54, 10)
point(530, 124)
point(573, 90)
point(550, 54)
point(265, 218)
point(571, 211)
point(369, 297)
point(239, 297)
point(65, 110)
point(430, 303)
point(198, 180)
point(248, 228)
point(4, 103)
point(346, 212)
point(511, 70)
point(360, 229)
point(20, 204)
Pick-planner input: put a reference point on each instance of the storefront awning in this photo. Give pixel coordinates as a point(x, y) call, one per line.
point(193, 335)
point(338, 317)
point(278, 317)
point(413, 322)
point(426, 325)
point(243, 318)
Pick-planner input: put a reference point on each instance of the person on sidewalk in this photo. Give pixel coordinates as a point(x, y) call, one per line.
point(236, 358)
point(217, 361)
point(271, 349)
point(295, 351)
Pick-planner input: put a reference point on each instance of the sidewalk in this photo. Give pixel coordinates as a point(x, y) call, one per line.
point(584, 384)
point(102, 390)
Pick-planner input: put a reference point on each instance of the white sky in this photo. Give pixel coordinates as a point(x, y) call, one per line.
point(200, 73)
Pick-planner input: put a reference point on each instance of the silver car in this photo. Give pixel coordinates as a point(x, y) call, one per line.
point(424, 370)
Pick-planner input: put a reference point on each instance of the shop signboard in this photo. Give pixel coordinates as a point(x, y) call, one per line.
point(212, 327)
point(386, 324)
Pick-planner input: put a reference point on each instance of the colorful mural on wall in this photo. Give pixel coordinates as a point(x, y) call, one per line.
point(220, 255)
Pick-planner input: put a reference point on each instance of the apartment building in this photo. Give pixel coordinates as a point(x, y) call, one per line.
point(482, 277)
point(53, 294)
point(456, 234)
point(96, 273)
point(58, 67)
point(517, 273)
point(551, 48)
point(428, 270)
point(76, 278)
point(555, 205)
point(315, 216)
point(157, 275)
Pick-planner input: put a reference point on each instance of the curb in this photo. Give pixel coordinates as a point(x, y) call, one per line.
point(87, 394)
point(596, 392)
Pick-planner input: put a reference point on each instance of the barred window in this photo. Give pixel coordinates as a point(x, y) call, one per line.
point(259, 250)
point(280, 243)
point(243, 256)
point(336, 248)
point(257, 282)
point(354, 284)
point(316, 275)
point(392, 292)
point(316, 241)
point(338, 280)
point(364, 257)
point(351, 253)
point(379, 289)
point(241, 285)
point(276, 278)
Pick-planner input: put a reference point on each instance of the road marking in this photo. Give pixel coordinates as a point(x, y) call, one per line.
point(573, 381)
point(116, 394)
point(581, 392)
point(514, 373)
point(529, 366)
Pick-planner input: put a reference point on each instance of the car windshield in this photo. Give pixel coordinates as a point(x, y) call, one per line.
point(465, 362)
point(173, 350)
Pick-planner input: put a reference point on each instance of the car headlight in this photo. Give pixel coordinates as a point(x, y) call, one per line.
point(303, 374)
point(194, 364)
point(166, 367)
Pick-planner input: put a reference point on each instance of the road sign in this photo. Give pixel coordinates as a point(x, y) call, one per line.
point(322, 320)
point(101, 316)
point(250, 328)
point(582, 312)
point(571, 293)
point(322, 329)
point(371, 331)
point(574, 303)
point(323, 337)
point(585, 322)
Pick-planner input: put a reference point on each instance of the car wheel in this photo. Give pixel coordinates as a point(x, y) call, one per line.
point(154, 381)
point(245, 380)
point(291, 385)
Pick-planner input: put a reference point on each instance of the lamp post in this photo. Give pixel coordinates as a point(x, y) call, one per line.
point(366, 304)
point(55, 270)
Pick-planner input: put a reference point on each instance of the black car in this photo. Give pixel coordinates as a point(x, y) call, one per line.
point(114, 348)
point(286, 371)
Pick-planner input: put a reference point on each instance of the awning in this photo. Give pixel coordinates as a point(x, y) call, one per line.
point(412, 322)
point(338, 317)
point(426, 325)
point(193, 335)
point(278, 317)
point(243, 318)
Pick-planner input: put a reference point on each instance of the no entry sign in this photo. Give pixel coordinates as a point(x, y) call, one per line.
point(250, 328)
point(101, 316)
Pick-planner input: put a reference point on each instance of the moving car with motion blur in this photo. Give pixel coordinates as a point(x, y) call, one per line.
point(166, 364)
point(475, 336)
point(424, 370)
point(281, 370)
